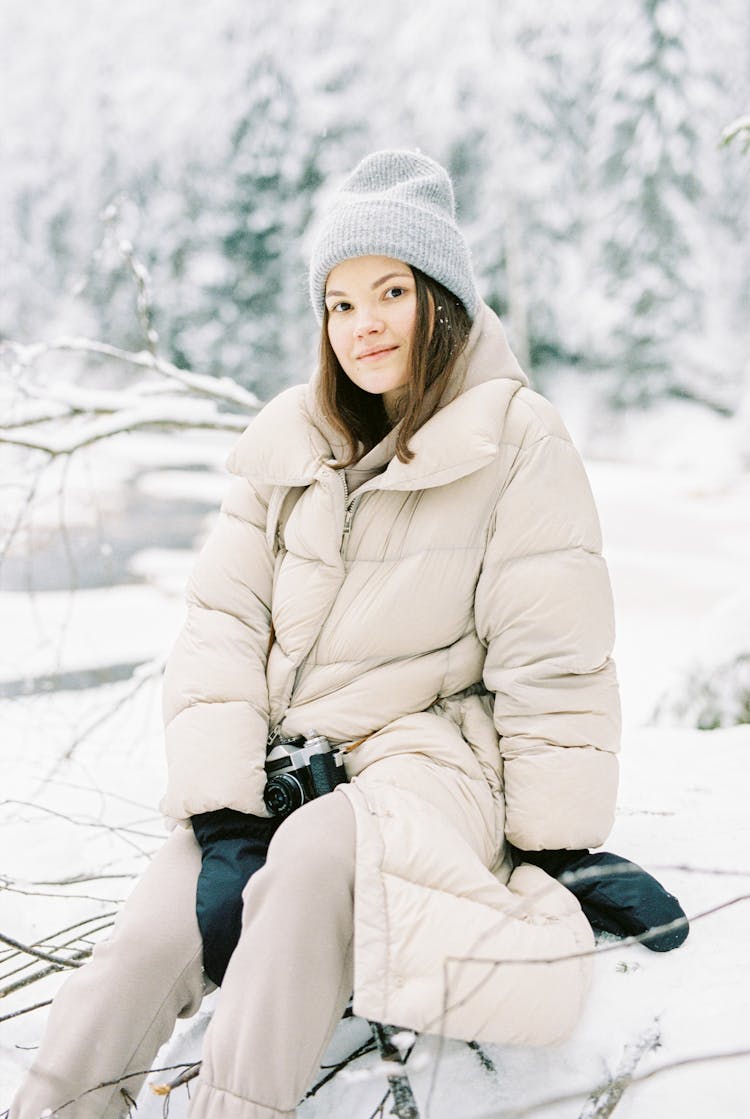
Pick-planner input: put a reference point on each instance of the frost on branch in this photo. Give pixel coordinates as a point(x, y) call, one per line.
point(60, 416)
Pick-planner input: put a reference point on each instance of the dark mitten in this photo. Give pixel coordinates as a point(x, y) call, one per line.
point(617, 895)
point(234, 846)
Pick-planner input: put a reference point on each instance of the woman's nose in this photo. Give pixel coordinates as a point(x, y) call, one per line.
point(367, 323)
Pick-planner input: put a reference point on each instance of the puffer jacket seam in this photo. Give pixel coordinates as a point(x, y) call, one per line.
point(197, 604)
point(551, 552)
point(243, 520)
point(472, 461)
point(449, 548)
point(525, 918)
point(187, 706)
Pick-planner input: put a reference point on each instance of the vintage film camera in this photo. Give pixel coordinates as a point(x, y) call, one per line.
point(300, 769)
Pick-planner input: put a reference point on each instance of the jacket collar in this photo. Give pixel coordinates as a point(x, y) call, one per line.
point(290, 443)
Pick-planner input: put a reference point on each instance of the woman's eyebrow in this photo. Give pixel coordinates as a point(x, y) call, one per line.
point(375, 284)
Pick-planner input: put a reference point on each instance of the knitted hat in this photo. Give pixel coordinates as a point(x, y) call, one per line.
point(398, 204)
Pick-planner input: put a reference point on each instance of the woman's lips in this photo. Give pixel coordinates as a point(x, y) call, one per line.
point(375, 354)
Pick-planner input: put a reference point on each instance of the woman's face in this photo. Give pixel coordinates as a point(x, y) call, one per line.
point(372, 311)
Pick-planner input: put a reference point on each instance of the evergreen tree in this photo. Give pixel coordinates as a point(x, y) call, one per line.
point(649, 171)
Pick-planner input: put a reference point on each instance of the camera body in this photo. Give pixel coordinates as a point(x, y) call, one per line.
point(300, 769)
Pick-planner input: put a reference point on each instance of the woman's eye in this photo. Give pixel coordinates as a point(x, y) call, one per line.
point(395, 292)
point(336, 308)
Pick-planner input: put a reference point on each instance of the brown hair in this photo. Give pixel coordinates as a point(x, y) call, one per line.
point(441, 329)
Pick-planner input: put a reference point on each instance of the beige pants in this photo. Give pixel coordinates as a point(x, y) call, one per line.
point(285, 989)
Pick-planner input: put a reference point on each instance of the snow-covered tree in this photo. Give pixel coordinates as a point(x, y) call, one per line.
point(650, 171)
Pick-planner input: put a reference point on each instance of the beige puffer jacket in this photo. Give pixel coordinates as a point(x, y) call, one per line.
point(478, 561)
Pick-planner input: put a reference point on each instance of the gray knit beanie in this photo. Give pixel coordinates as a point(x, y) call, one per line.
point(398, 204)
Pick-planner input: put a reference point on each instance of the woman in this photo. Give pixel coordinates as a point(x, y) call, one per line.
point(408, 562)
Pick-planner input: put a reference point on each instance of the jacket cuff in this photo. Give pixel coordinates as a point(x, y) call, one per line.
point(228, 823)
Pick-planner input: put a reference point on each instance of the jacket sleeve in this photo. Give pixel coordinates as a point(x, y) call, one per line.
point(544, 611)
point(215, 693)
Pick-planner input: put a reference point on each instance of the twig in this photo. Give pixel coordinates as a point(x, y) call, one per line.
point(605, 1101)
point(77, 879)
point(114, 829)
point(29, 963)
point(29, 951)
point(6, 886)
point(118, 1080)
point(367, 1047)
point(128, 420)
point(184, 1078)
point(51, 970)
point(434, 1026)
point(379, 1111)
point(571, 1097)
point(144, 674)
point(484, 1058)
point(216, 388)
point(395, 1056)
point(25, 1010)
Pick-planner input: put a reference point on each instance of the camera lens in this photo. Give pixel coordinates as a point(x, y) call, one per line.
point(283, 793)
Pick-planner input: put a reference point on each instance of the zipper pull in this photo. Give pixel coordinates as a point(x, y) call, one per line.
point(272, 736)
point(348, 520)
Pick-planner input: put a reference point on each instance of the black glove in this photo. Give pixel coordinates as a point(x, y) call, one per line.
point(617, 895)
point(233, 845)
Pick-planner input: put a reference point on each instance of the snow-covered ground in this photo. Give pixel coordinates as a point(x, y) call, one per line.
point(677, 538)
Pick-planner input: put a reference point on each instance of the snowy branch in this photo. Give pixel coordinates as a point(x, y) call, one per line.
point(738, 127)
point(600, 1090)
point(71, 961)
point(79, 417)
point(602, 1104)
point(220, 389)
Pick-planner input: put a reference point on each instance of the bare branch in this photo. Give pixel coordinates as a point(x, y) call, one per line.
point(437, 1024)
point(144, 674)
point(72, 961)
point(119, 1080)
point(120, 830)
point(8, 888)
point(222, 389)
point(184, 1077)
point(178, 415)
point(25, 1010)
point(571, 1097)
point(82, 938)
point(367, 1047)
point(76, 879)
point(604, 1102)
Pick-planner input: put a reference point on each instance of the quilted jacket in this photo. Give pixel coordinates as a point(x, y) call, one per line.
point(455, 613)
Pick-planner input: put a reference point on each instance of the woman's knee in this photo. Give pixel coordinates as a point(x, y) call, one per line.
point(315, 845)
point(157, 926)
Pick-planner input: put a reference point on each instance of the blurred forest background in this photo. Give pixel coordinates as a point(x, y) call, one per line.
point(609, 226)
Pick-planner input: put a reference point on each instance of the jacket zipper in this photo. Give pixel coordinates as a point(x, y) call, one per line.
point(351, 505)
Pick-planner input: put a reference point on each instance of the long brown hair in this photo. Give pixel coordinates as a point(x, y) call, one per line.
point(440, 332)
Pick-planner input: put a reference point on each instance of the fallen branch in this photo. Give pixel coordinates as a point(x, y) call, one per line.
point(435, 1026)
point(367, 1047)
point(30, 963)
point(30, 951)
point(601, 1105)
point(143, 674)
point(25, 1010)
point(184, 1078)
point(571, 1097)
point(116, 1081)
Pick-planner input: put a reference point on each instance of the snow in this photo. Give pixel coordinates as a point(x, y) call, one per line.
point(677, 539)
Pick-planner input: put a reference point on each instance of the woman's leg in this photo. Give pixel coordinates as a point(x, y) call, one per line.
point(111, 1016)
point(290, 977)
